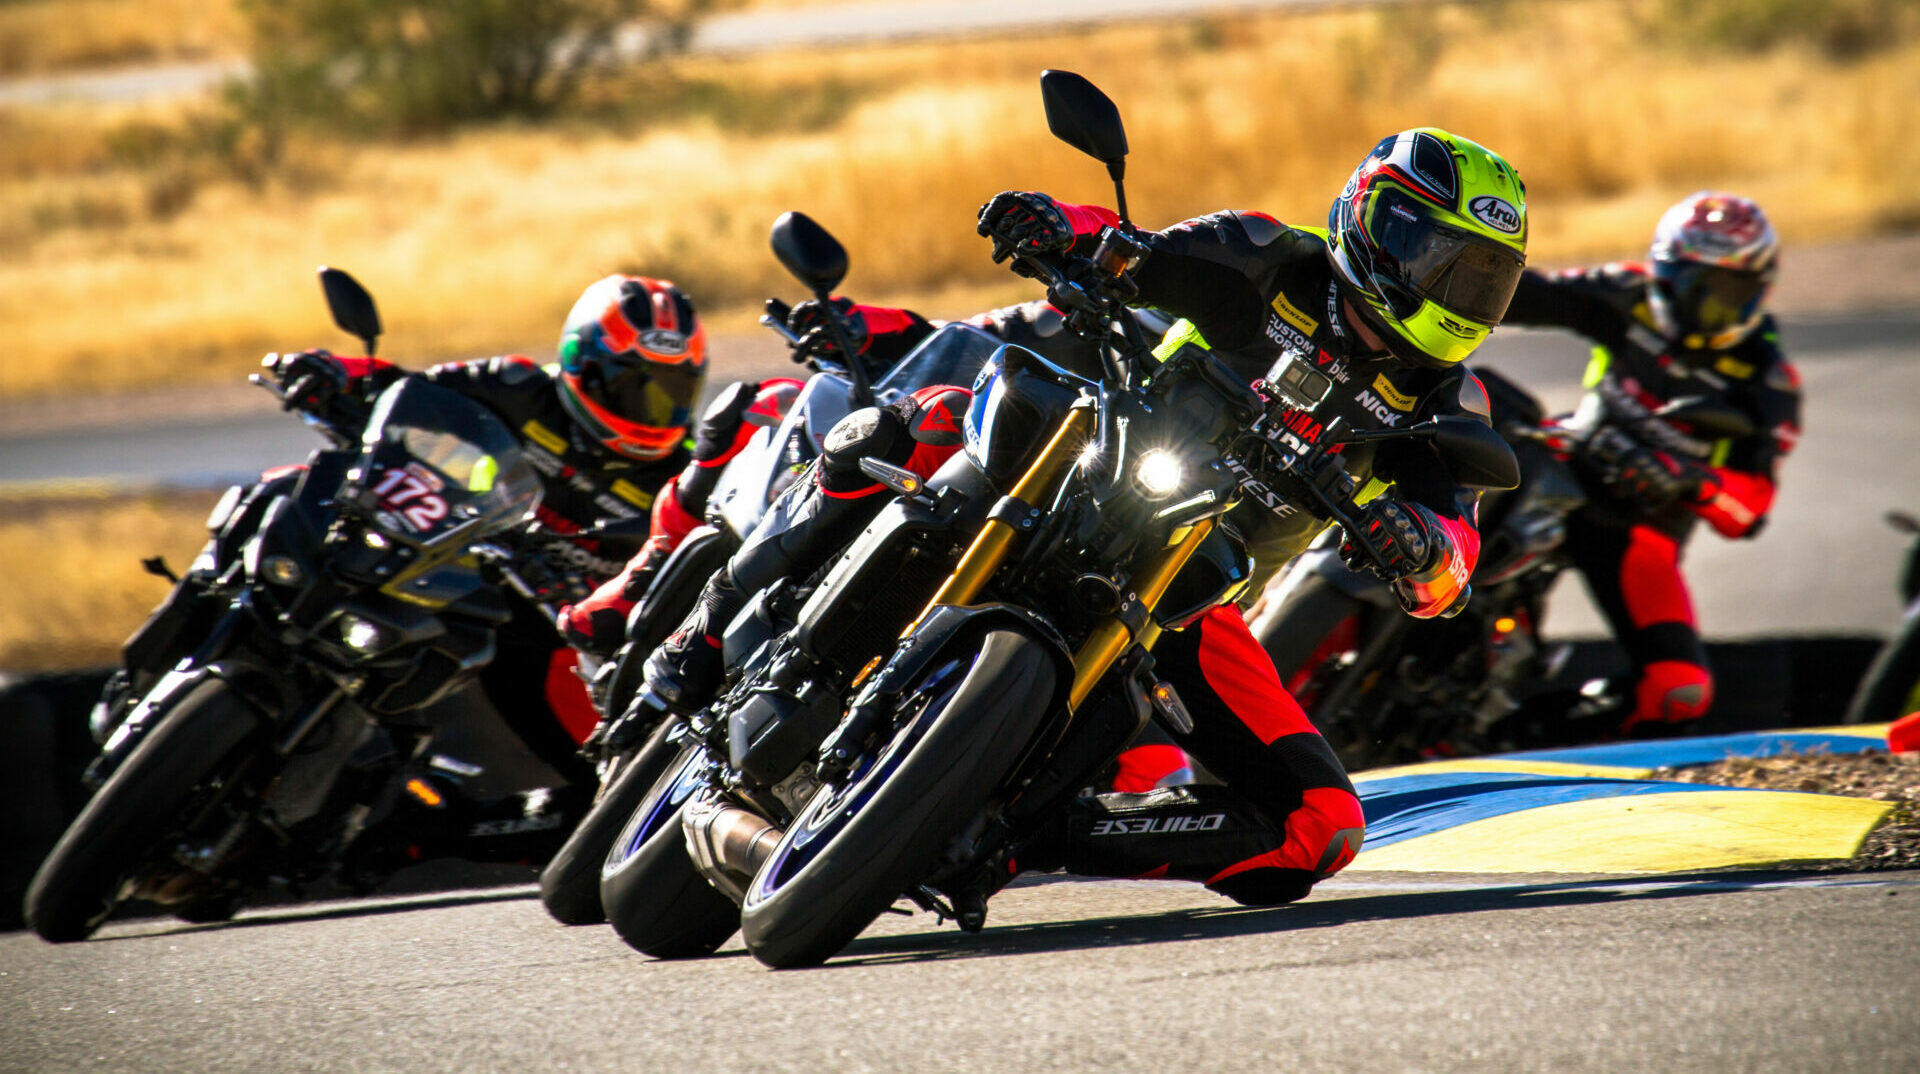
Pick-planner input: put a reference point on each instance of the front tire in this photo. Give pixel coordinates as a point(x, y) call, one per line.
point(855, 848)
point(570, 882)
point(79, 884)
point(655, 898)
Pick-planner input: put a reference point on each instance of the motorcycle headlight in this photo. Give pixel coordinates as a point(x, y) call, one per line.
point(362, 635)
point(1158, 473)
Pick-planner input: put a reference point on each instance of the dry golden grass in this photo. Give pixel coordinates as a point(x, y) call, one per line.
point(74, 587)
point(38, 36)
point(479, 242)
point(42, 36)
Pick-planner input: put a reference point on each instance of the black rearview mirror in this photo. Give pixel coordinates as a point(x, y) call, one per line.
point(814, 257)
point(1084, 118)
point(1475, 454)
point(352, 307)
point(1708, 417)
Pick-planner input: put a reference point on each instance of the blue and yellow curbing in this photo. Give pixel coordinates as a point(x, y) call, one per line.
point(1594, 810)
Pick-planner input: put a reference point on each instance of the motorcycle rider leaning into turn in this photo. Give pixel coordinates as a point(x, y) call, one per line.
point(607, 428)
point(1423, 248)
point(881, 336)
point(1691, 321)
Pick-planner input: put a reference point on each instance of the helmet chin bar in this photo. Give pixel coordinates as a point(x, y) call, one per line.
point(1397, 346)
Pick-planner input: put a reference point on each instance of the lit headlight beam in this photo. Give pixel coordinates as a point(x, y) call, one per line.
point(1159, 473)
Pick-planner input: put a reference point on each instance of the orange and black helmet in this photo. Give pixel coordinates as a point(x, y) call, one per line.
point(633, 361)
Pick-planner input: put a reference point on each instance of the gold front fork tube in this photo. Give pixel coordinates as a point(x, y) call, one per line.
point(990, 548)
point(1110, 637)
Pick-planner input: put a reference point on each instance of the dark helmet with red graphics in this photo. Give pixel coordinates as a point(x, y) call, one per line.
point(1714, 258)
point(1428, 239)
point(633, 361)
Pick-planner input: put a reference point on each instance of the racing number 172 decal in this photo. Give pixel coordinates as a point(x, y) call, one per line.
point(412, 497)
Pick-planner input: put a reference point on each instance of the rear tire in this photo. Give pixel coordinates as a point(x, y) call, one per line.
point(1892, 682)
point(655, 898)
point(79, 884)
point(855, 849)
point(570, 883)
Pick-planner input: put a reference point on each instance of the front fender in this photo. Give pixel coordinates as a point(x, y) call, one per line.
point(947, 623)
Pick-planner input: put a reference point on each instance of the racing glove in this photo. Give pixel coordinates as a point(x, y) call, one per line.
point(1654, 479)
point(309, 380)
point(1399, 533)
point(1029, 223)
point(809, 321)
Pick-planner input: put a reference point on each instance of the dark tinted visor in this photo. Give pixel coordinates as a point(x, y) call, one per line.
point(645, 393)
point(1471, 276)
point(1709, 299)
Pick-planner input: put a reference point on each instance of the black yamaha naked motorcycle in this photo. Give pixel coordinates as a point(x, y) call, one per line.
point(626, 753)
point(281, 701)
point(1385, 688)
point(983, 648)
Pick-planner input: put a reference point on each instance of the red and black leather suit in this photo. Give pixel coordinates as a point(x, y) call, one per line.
point(1630, 554)
point(1255, 291)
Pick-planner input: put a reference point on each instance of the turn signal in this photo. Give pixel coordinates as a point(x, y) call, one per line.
point(419, 789)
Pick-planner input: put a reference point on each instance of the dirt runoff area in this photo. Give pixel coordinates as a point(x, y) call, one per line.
point(1883, 777)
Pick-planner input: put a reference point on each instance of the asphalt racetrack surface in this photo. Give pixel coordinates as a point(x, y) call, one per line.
point(1382, 972)
point(1725, 972)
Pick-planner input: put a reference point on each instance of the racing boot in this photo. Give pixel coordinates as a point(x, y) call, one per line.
point(435, 820)
point(687, 669)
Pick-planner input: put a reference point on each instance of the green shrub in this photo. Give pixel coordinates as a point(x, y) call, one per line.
point(416, 66)
point(1842, 29)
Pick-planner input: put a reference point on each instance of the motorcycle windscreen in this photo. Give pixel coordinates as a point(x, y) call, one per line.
point(953, 355)
point(433, 460)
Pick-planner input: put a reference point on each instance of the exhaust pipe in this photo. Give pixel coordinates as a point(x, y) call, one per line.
point(727, 843)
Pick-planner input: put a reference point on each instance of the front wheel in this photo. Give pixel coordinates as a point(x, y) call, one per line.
point(856, 847)
point(1891, 688)
point(655, 898)
point(570, 882)
point(80, 882)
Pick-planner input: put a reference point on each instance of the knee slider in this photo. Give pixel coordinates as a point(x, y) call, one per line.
point(732, 402)
point(1265, 887)
point(867, 433)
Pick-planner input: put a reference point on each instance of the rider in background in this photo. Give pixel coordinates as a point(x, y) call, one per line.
point(607, 428)
point(881, 336)
point(1691, 321)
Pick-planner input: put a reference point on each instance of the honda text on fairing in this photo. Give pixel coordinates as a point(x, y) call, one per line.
point(949, 683)
point(631, 749)
point(334, 606)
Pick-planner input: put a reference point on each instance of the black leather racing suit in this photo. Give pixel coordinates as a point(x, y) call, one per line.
point(1256, 291)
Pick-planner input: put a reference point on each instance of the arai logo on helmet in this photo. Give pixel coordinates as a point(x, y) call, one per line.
point(1496, 213)
point(661, 341)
